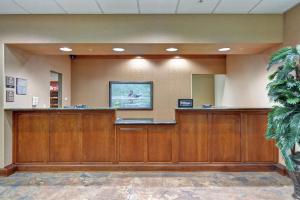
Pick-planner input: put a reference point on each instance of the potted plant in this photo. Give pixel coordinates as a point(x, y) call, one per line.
point(284, 119)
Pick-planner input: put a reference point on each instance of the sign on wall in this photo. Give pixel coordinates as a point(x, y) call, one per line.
point(21, 86)
point(10, 82)
point(10, 96)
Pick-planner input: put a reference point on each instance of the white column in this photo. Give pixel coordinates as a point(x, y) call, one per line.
point(2, 95)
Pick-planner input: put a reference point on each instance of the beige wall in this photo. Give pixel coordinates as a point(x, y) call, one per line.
point(246, 81)
point(142, 28)
point(36, 69)
point(171, 77)
point(292, 26)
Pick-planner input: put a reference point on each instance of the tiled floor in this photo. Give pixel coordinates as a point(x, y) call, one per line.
point(146, 186)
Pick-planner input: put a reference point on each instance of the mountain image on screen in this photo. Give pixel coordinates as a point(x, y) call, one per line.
point(131, 95)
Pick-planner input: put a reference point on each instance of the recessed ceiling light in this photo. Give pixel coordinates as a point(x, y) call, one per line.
point(65, 49)
point(118, 49)
point(171, 49)
point(224, 49)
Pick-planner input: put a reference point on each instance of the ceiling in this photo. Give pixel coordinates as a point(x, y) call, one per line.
point(145, 6)
point(141, 49)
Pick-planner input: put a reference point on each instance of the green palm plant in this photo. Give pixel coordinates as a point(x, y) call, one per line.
point(284, 90)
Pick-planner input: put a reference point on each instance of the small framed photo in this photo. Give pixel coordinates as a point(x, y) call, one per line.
point(10, 82)
point(21, 86)
point(185, 103)
point(10, 96)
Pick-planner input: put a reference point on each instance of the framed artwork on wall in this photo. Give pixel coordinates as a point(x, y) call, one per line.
point(21, 86)
point(10, 82)
point(10, 96)
point(131, 95)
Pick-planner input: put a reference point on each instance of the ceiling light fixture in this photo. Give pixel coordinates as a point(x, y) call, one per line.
point(171, 49)
point(65, 49)
point(118, 49)
point(224, 49)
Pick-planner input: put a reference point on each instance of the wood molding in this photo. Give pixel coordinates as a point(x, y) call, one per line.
point(124, 56)
point(8, 170)
point(92, 142)
point(281, 169)
point(238, 167)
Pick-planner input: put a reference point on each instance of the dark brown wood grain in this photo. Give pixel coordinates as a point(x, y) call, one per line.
point(131, 143)
point(160, 143)
point(32, 138)
point(98, 138)
point(192, 137)
point(225, 143)
point(256, 147)
point(222, 140)
point(65, 137)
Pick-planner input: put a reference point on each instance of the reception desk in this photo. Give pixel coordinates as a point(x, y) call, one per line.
point(93, 139)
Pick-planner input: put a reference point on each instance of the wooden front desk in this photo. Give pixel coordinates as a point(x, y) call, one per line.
point(201, 139)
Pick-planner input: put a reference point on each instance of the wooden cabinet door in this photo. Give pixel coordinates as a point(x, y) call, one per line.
point(256, 147)
point(192, 137)
point(132, 143)
point(98, 139)
point(32, 139)
point(65, 137)
point(159, 139)
point(225, 143)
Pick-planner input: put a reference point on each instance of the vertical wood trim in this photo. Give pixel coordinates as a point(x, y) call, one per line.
point(175, 140)
point(49, 125)
point(243, 137)
point(80, 141)
point(275, 153)
point(117, 144)
point(15, 136)
point(145, 133)
point(115, 161)
point(209, 137)
point(175, 151)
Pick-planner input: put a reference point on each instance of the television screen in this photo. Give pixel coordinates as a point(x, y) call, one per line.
point(131, 95)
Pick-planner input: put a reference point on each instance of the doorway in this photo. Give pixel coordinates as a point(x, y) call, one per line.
point(55, 89)
point(208, 89)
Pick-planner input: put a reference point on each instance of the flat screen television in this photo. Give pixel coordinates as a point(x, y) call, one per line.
point(131, 95)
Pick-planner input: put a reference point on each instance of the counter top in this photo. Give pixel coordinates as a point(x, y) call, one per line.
point(142, 121)
point(226, 108)
point(56, 109)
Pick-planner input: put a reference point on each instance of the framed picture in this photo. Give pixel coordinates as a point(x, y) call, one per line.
point(10, 96)
point(131, 95)
point(185, 103)
point(10, 82)
point(21, 86)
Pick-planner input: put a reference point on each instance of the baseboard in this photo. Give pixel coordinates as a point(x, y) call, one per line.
point(148, 167)
point(8, 170)
point(281, 169)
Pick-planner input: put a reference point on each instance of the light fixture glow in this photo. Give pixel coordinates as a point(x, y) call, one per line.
point(65, 49)
point(118, 49)
point(172, 49)
point(224, 49)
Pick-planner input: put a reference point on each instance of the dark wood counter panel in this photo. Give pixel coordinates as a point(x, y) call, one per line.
point(201, 139)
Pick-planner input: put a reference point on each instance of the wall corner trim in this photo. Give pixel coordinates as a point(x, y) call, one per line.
point(8, 170)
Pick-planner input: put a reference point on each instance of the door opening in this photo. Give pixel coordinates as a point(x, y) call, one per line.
point(55, 89)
